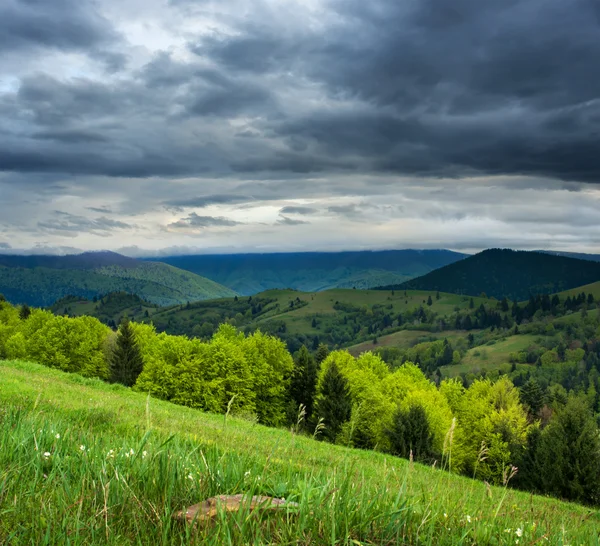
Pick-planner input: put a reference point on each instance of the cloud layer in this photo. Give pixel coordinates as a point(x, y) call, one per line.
point(299, 125)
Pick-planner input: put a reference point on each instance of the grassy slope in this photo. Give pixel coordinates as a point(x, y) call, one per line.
point(593, 288)
point(346, 496)
point(321, 304)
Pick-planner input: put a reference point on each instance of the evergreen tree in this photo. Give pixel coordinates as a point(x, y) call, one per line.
point(429, 301)
point(528, 477)
point(126, 361)
point(334, 405)
point(24, 312)
point(411, 432)
point(471, 303)
point(569, 454)
point(304, 380)
point(532, 395)
point(321, 354)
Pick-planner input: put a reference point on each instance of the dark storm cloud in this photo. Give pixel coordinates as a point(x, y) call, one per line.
point(291, 209)
point(196, 221)
point(58, 24)
point(425, 88)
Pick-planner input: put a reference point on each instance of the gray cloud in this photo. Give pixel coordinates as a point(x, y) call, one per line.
point(290, 209)
point(5, 246)
point(206, 200)
point(286, 221)
point(72, 225)
point(195, 221)
point(377, 112)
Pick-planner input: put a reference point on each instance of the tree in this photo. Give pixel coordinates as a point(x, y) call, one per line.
point(437, 295)
point(429, 301)
point(334, 405)
point(410, 433)
point(126, 361)
point(304, 380)
point(569, 454)
point(532, 396)
point(321, 354)
point(24, 312)
point(471, 303)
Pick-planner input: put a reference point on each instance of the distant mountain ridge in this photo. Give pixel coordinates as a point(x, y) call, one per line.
point(41, 280)
point(250, 274)
point(507, 273)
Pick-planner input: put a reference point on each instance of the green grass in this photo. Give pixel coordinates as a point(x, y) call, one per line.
point(166, 457)
point(405, 339)
point(494, 356)
point(593, 288)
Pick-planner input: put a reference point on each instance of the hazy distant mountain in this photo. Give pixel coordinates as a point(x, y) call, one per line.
point(313, 271)
point(41, 280)
point(510, 273)
point(578, 255)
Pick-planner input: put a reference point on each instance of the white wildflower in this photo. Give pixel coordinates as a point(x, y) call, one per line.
point(82, 447)
point(468, 518)
point(57, 436)
point(47, 454)
point(519, 532)
point(144, 453)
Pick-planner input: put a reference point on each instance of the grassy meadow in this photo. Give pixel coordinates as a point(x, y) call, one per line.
point(84, 462)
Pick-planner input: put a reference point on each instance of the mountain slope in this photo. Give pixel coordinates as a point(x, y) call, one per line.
point(514, 274)
point(250, 274)
point(41, 280)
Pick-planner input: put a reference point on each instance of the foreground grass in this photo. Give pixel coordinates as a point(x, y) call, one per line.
point(82, 462)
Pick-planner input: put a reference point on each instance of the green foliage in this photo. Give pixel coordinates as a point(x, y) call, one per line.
point(304, 381)
point(410, 435)
point(126, 361)
point(333, 403)
point(569, 454)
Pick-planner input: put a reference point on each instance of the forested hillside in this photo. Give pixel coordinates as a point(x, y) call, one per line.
point(249, 274)
point(507, 273)
point(41, 280)
point(484, 428)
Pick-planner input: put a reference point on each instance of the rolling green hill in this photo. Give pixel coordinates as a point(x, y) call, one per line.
point(250, 274)
point(41, 280)
point(508, 273)
point(108, 466)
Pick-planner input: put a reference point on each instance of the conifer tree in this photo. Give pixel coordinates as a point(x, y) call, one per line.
point(429, 301)
point(334, 404)
point(304, 381)
point(532, 395)
point(411, 433)
point(321, 354)
point(126, 361)
point(569, 454)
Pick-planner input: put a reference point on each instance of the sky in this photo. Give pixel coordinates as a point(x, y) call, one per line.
point(155, 127)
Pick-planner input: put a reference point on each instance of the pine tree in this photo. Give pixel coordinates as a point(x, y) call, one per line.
point(321, 354)
point(532, 395)
point(411, 433)
point(569, 454)
point(334, 404)
point(429, 301)
point(126, 361)
point(304, 381)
